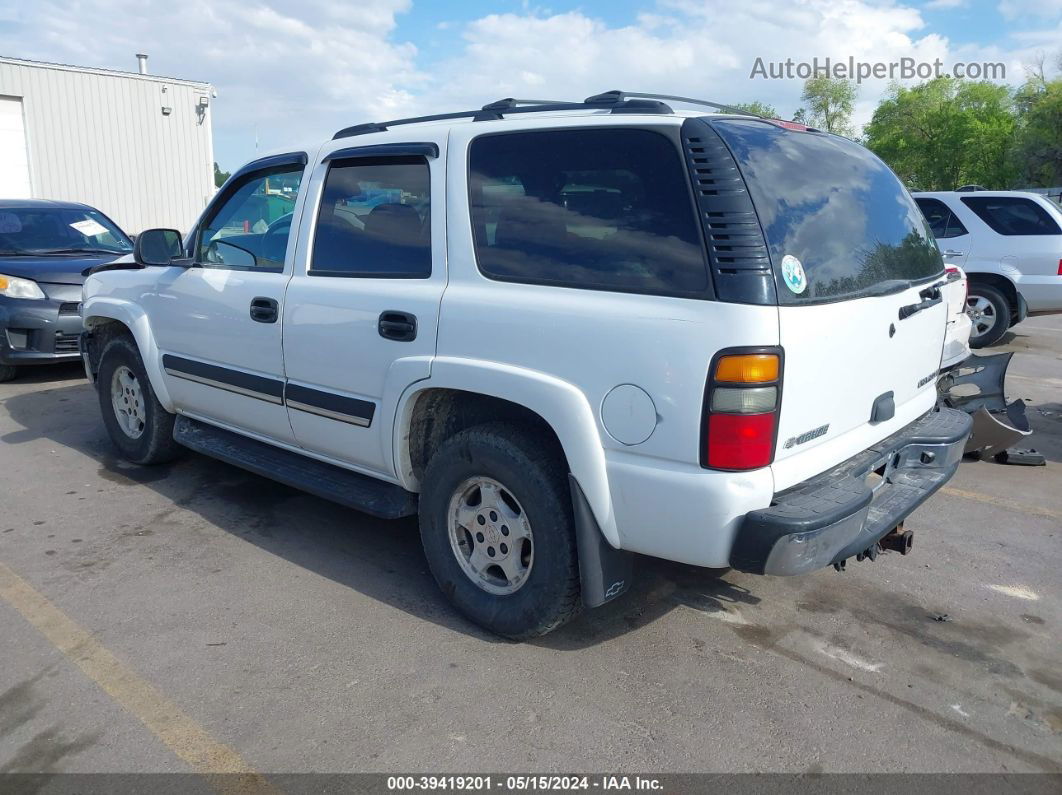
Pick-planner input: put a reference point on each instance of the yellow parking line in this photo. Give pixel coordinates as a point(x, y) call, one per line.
point(227, 772)
point(977, 496)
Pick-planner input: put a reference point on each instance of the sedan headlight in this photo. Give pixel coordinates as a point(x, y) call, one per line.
point(14, 287)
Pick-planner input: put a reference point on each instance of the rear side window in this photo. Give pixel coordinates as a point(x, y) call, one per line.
point(941, 220)
point(1012, 215)
point(833, 206)
point(374, 220)
point(597, 209)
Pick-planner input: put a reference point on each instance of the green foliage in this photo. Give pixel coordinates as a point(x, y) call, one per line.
point(220, 176)
point(828, 105)
point(759, 108)
point(1039, 147)
point(945, 133)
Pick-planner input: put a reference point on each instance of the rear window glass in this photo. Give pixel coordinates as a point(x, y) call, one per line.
point(596, 209)
point(836, 208)
point(1012, 215)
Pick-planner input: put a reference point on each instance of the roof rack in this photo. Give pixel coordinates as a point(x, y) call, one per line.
point(498, 109)
point(612, 97)
point(614, 101)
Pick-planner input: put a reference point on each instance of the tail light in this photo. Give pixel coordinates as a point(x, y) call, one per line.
point(1060, 267)
point(741, 403)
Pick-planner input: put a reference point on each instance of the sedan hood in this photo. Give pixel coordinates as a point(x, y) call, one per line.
point(58, 269)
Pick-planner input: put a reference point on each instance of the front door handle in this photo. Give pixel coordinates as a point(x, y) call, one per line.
point(398, 326)
point(264, 310)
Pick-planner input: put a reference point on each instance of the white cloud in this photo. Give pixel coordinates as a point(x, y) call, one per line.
point(936, 5)
point(1012, 9)
point(299, 71)
point(685, 47)
point(293, 70)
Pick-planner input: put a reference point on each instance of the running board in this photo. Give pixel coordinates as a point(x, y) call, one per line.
point(360, 492)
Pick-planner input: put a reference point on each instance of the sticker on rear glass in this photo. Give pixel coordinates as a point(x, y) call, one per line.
point(793, 273)
point(89, 228)
point(10, 223)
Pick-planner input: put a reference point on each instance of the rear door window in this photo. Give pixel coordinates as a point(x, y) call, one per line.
point(941, 219)
point(606, 209)
point(374, 220)
point(1012, 215)
point(835, 208)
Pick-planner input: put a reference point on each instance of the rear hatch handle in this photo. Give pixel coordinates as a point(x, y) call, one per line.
point(930, 297)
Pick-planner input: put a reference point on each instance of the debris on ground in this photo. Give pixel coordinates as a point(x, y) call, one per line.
point(976, 386)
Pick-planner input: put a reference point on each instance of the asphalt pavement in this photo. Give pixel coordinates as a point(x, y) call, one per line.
point(195, 617)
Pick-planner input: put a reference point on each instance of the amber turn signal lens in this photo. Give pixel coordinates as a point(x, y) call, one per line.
point(752, 368)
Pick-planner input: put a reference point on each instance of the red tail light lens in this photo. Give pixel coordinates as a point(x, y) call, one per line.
point(741, 404)
point(740, 441)
point(1060, 267)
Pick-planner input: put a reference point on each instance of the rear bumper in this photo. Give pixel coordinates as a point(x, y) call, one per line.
point(38, 331)
point(838, 514)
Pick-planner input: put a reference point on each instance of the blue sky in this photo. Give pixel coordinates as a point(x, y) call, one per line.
point(293, 71)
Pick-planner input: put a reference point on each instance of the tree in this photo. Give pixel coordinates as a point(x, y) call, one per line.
point(757, 107)
point(947, 132)
point(220, 176)
point(828, 105)
point(1039, 139)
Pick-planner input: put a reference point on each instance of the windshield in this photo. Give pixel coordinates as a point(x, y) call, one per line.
point(42, 231)
point(838, 222)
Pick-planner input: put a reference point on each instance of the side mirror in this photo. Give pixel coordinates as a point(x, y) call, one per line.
point(158, 247)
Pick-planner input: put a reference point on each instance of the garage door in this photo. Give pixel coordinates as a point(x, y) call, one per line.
point(14, 158)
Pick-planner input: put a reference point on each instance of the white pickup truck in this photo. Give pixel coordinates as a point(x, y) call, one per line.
point(563, 333)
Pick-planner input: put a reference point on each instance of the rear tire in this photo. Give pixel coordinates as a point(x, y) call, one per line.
point(498, 532)
point(7, 372)
point(137, 423)
point(989, 311)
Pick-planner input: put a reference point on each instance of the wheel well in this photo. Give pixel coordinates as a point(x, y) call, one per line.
point(440, 413)
point(1001, 283)
point(103, 330)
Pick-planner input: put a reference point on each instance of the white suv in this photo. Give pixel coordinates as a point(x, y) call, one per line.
point(1010, 245)
point(562, 333)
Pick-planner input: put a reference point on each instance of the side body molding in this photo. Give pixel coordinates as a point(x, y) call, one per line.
point(558, 402)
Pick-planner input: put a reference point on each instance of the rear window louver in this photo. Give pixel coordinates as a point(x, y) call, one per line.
point(737, 250)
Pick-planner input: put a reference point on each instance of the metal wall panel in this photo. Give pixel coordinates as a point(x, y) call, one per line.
point(102, 138)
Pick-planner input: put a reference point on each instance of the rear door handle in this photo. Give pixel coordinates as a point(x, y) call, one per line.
point(398, 326)
point(264, 310)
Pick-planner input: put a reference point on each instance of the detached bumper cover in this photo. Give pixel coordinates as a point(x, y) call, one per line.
point(847, 509)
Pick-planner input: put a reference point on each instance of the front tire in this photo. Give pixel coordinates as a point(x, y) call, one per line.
point(989, 312)
point(498, 532)
point(137, 423)
point(7, 372)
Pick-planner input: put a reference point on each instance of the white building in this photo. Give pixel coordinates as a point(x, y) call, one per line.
point(134, 145)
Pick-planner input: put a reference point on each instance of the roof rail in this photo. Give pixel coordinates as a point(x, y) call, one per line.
point(613, 97)
point(498, 109)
